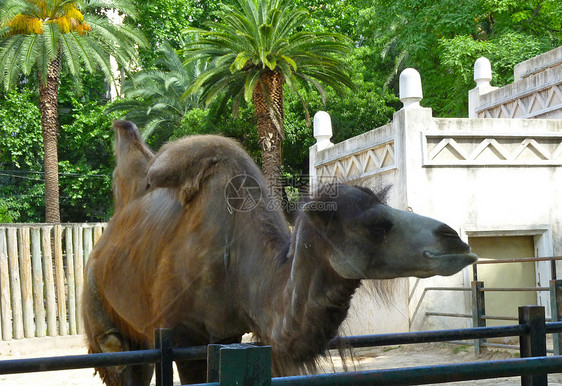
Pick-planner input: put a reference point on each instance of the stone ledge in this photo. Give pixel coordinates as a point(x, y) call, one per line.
point(538, 64)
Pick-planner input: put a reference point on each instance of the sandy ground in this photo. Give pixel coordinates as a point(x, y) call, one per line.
point(364, 359)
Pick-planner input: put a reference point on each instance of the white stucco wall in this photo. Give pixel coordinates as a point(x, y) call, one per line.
point(498, 184)
point(480, 176)
point(535, 93)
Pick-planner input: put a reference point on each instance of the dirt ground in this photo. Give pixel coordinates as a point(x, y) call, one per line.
point(364, 359)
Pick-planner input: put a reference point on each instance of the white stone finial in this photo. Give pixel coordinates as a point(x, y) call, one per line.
point(482, 72)
point(322, 130)
point(410, 88)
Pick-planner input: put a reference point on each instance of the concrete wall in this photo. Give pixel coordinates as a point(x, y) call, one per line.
point(481, 176)
point(535, 93)
point(485, 177)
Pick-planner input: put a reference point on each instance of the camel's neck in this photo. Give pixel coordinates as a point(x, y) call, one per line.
point(308, 305)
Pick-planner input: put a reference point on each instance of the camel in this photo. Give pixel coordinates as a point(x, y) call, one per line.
point(197, 250)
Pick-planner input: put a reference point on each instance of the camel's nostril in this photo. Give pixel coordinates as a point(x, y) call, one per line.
point(445, 230)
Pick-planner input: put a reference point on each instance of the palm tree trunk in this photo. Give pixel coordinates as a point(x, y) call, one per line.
point(48, 95)
point(268, 103)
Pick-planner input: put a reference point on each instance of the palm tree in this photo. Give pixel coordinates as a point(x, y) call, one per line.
point(42, 35)
point(155, 98)
point(255, 50)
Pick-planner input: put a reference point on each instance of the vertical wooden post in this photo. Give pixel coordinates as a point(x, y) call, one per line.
point(98, 231)
point(533, 344)
point(78, 276)
point(15, 286)
point(88, 245)
point(59, 281)
point(26, 283)
point(556, 312)
point(240, 364)
point(478, 311)
point(37, 271)
point(70, 280)
point(5, 296)
point(49, 281)
point(164, 369)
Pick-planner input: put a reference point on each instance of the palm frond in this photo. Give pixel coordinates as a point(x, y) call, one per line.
point(157, 98)
point(123, 7)
point(8, 63)
point(86, 44)
point(70, 52)
point(51, 37)
point(266, 35)
point(252, 78)
point(30, 45)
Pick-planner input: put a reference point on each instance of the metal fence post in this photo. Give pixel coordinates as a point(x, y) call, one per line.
point(164, 369)
point(239, 364)
point(556, 312)
point(533, 344)
point(213, 362)
point(478, 311)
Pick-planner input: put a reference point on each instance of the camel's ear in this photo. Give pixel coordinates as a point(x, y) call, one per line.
point(182, 167)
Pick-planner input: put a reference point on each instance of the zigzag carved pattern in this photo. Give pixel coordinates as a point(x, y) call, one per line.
point(366, 162)
point(527, 106)
point(498, 150)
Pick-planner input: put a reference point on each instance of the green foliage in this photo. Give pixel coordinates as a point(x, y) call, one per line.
point(19, 204)
point(442, 39)
point(155, 98)
point(85, 167)
point(457, 56)
point(539, 18)
point(368, 106)
point(94, 89)
point(20, 130)
point(21, 187)
point(6, 215)
point(163, 20)
point(462, 348)
point(352, 112)
point(336, 16)
point(86, 164)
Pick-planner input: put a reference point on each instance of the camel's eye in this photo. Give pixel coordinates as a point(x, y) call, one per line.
point(380, 227)
point(373, 223)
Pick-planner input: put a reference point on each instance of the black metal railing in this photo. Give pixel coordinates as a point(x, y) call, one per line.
point(251, 365)
point(478, 290)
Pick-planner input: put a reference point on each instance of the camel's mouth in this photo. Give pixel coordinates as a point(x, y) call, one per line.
point(436, 255)
point(451, 262)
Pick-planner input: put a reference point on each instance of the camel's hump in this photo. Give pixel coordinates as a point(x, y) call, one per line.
point(185, 163)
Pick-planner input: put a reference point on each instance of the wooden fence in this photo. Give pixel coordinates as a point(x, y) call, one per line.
point(41, 278)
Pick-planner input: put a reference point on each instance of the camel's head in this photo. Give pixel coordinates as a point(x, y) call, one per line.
point(370, 240)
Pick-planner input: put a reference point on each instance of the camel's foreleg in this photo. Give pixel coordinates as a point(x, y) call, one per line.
point(103, 336)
